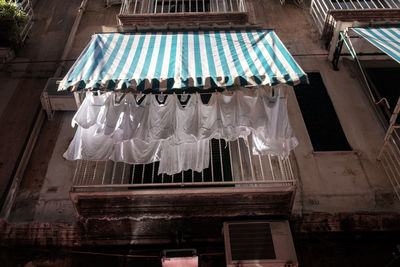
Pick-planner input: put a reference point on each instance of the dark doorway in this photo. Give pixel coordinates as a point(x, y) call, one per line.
point(319, 115)
point(384, 85)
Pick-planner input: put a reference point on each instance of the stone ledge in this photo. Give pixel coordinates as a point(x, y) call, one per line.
point(345, 222)
point(127, 232)
point(366, 14)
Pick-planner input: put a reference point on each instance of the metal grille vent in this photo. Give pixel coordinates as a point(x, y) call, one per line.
point(251, 241)
point(259, 243)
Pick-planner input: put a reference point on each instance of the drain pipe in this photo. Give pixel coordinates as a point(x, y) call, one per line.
point(39, 121)
point(44, 97)
point(71, 38)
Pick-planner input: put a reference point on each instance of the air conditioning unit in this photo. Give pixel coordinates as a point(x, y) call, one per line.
point(180, 258)
point(259, 244)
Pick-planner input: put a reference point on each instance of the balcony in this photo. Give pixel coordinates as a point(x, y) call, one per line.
point(235, 184)
point(165, 12)
point(14, 28)
point(325, 13)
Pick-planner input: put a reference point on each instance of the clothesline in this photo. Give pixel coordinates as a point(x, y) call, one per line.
point(185, 91)
point(271, 91)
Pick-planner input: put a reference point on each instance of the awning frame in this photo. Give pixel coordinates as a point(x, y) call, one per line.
point(345, 38)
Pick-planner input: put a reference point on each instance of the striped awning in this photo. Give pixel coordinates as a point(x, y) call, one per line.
point(170, 60)
point(384, 38)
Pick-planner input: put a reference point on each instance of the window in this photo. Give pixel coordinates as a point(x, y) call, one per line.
point(319, 115)
point(381, 81)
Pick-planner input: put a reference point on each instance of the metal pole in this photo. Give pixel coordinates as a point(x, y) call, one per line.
point(338, 51)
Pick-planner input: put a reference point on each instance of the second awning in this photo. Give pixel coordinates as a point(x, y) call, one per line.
point(170, 60)
point(386, 39)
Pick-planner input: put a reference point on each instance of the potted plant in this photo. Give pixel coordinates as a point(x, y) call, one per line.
point(12, 21)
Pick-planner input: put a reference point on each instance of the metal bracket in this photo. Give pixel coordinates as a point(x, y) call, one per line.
point(338, 51)
point(77, 99)
point(44, 99)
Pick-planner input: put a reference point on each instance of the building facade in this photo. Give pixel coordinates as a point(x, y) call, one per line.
point(341, 176)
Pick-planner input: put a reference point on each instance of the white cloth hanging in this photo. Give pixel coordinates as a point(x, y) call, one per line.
point(277, 137)
point(116, 127)
point(89, 146)
point(227, 115)
point(183, 157)
point(88, 112)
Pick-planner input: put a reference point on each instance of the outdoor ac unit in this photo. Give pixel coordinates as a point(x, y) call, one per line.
point(57, 100)
point(180, 258)
point(259, 243)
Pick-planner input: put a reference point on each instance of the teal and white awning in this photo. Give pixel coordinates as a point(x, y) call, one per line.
point(170, 60)
point(384, 38)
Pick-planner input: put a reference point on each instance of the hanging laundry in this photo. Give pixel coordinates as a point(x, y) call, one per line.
point(88, 112)
point(183, 157)
point(277, 137)
point(115, 127)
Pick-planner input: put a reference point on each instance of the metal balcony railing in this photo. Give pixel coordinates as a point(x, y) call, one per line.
point(319, 8)
point(389, 155)
point(231, 165)
point(131, 7)
point(26, 6)
point(390, 158)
